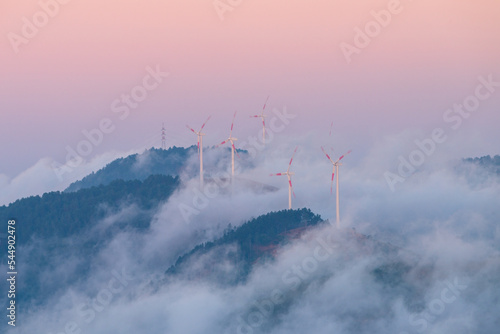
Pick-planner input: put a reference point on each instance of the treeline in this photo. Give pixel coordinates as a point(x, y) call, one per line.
point(492, 164)
point(254, 239)
point(137, 167)
point(59, 214)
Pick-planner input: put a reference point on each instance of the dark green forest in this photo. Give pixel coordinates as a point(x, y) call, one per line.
point(138, 167)
point(58, 226)
point(254, 239)
point(154, 161)
point(60, 215)
point(491, 164)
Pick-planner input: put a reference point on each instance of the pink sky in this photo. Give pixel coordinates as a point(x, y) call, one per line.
point(65, 79)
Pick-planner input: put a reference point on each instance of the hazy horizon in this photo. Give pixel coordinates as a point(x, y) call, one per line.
point(66, 77)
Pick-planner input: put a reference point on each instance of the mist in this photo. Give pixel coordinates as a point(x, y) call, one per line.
point(422, 258)
point(49, 175)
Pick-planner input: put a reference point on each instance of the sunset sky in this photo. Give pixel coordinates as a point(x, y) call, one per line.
point(64, 79)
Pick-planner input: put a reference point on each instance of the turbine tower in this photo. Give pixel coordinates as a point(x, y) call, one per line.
point(263, 117)
point(231, 139)
point(336, 165)
point(289, 176)
point(200, 148)
point(163, 138)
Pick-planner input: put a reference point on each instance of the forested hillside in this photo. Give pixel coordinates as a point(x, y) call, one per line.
point(59, 214)
point(255, 239)
point(138, 167)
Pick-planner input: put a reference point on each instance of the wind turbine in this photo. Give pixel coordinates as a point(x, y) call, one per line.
point(263, 117)
point(200, 147)
point(336, 165)
point(289, 176)
point(233, 149)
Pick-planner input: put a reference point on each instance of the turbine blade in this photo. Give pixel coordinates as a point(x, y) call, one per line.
point(291, 160)
point(331, 186)
point(331, 127)
point(190, 128)
point(234, 148)
point(277, 174)
point(326, 154)
point(225, 141)
point(342, 157)
point(291, 187)
point(232, 124)
point(205, 122)
point(265, 103)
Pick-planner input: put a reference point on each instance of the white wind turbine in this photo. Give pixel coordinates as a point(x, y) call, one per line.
point(336, 165)
point(200, 147)
point(231, 139)
point(289, 176)
point(263, 117)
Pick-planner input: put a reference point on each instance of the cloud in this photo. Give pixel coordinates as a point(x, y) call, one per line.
point(422, 259)
point(41, 177)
